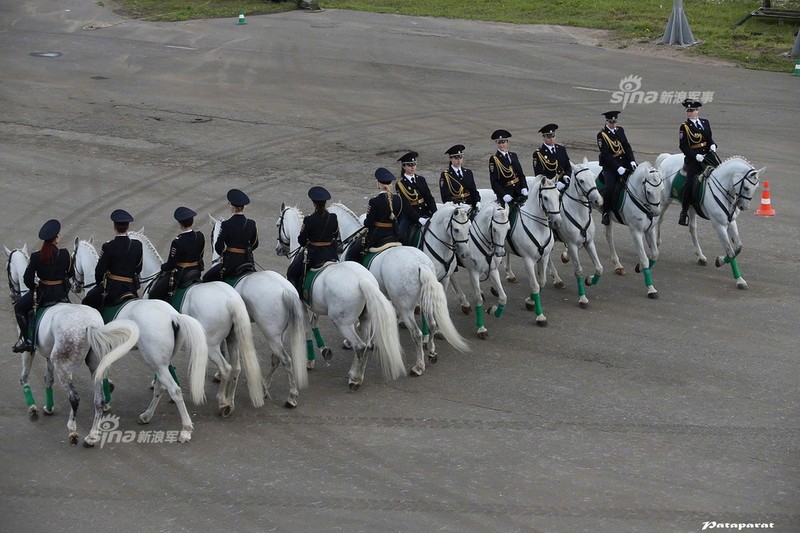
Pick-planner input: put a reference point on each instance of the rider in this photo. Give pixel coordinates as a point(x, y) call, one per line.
point(53, 267)
point(117, 272)
point(320, 236)
point(237, 239)
point(456, 183)
point(185, 261)
point(616, 158)
point(551, 159)
point(383, 211)
point(695, 142)
point(505, 172)
point(416, 196)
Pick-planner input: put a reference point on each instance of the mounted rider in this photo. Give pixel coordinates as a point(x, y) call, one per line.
point(238, 237)
point(505, 172)
point(319, 237)
point(696, 142)
point(119, 267)
point(616, 158)
point(551, 159)
point(185, 261)
point(53, 267)
point(419, 204)
point(456, 183)
point(381, 223)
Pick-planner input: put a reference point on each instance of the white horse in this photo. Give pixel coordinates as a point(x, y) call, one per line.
point(579, 229)
point(728, 190)
point(446, 238)
point(223, 315)
point(273, 304)
point(531, 237)
point(163, 331)
point(407, 276)
point(343, 291)
point(641, 207)
point(486, 248)
point(69, 335)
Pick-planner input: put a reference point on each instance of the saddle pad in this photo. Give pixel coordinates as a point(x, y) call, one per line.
point(236, 279)
point(177, 298)
point(619, 200)
point(34, 325)
point(308, 284)
point(110, 312)
point(679, 181)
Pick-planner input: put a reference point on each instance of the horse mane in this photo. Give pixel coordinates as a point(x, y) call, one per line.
point(345, 209)
point(90, 247)
point(739, 157)
point(146, 241)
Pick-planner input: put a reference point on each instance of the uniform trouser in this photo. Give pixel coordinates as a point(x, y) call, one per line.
point(610, 179)
point(295, 272)
point(214, 273)
point(161, 286)
point(94, 298)
point(693, 168)
point(22, 309)
point(355, 251)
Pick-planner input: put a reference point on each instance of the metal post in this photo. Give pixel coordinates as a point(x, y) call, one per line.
point(796, 47)
point(678, 31)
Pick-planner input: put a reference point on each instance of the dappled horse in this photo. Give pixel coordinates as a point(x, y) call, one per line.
point(531, 236)
point(719, 198)
point(408, 278)
point(273, 303)
point(223, 315)
point(344, 291)
point(577, 229)
point(162, 329)
point(486, 248)
point(67, 336)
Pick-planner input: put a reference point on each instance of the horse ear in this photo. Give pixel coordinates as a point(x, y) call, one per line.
point(212, 219)
point(77, 240)
point(761, 170)
point(91, 240)
point(8, 252)
point(25, 248)
point(142, 230)
point(283, 207)
point(585, 160)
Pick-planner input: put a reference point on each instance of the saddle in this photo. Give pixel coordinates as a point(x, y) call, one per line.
point(188, 279)
point(241, 270)
point(33, 320)
point(309, 279)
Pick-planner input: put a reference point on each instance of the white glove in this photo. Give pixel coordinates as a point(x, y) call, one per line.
point(633, 165)
point(507, 198)
point(423, 221)
point(560, 186)
point(525, 192)
point(713, 148)
point(621, 171)
point(700, 157)
point(477, 206)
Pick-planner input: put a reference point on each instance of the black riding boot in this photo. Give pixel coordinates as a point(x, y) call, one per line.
point(686, 201)
point(23, 344)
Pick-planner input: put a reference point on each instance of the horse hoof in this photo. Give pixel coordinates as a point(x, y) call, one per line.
point(494, 292)
point(354, 386)
point(433, 359)
point(530, 306)
point(483, 335)
point(310, 364)
point(152, 384)
point(73, 439)
point(106, 407)
point(290, 404)
point(702, 261)
point(559, 285)
point(48, 411)
point(542, 323)
point(33, 414)
point(619, 271)
point(415, 372)
point(466, 309)
point(564, 257)
point(584, 305)
point(742, 285)
point(142, 420)
point(438, 335)
point(327, 353)
point(512, 279)
point(225, 411)
point(216, 378)
point(637, 268)
point(652, 295)
point(185, 436)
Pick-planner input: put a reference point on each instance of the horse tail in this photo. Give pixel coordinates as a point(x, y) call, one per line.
point(660, 159)
point(296, 333)
point(247, 350)
point(434, 307)
point(383, 321)
point(111, 342)
point(190, 332)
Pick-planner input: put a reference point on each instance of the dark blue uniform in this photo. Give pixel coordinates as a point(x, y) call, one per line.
point(320, 236)
point(694, 140)
point(237, 239)
point(184, 264)
point(117, 272)
point(381, 226)
point(615, 152)
point(418, 202)
point(458, 189)
point(506, 176)
point(551, 163)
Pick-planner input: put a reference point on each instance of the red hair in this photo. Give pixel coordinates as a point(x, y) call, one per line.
point(48, 252)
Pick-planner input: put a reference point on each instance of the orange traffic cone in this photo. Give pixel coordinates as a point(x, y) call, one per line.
point(766, 204)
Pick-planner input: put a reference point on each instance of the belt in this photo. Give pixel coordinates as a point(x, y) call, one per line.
point(328, 243)
point(384, 225)
point(512, 182)
point(50, 282)
point(417, 202)
point(236, 250)
point(698, 145)
point(187, 265)
point(119, 278)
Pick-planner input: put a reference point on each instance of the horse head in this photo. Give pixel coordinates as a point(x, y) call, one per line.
point(583, 184)
point(216, 228)
point(16, 265)
point(646, 185)
point(85, 258)
point(151, 259)
point(739, 179)
point(289, 223)
point(492, 221)
point(549, 199)
point(449, 225)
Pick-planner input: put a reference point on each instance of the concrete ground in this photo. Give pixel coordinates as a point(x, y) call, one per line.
point(633, 415)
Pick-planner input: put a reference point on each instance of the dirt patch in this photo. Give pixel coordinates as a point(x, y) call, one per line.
point(653, 48)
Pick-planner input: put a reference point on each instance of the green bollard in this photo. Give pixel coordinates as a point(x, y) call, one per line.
point(26, 390)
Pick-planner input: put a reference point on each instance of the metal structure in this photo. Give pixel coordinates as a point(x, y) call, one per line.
point(678, 31)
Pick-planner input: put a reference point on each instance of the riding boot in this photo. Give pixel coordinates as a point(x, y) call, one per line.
point(683, 219)
point(23, 344)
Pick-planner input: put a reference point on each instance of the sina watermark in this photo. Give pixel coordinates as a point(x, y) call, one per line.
point(111, 434)
point(630, 92)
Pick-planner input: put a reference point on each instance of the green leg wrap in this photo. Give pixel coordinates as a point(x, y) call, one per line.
point(106, 391)
point(581, 288)
point(479, 316)
point(537, 303)
point(727, 259)
point(48, 398)
point(174, 375)
point(425, 330)
point(735, 268)
point(500, 310)
point(595, 279)
point(651, 263)
point(26, 390)
point(648, 280)
point(318, 338)
point(310, 355)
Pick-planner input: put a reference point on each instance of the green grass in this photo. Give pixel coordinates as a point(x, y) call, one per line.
point(757, 44)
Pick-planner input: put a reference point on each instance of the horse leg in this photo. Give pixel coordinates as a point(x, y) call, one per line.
point(698, 252)
point(429, 336)
point(534, 301)
point(558, 283)
point(729, 236)
point(158, 391)
point(583, 301)
point(49, 379)
point(236, 369)
point(33, 411)
point(618, 268)
point(324, 351)
point(99, 402)
point(275, 361)
point(166, 381)
point(510, 276)
point(407, 316)
point(215, 355)
point(499, 308)
point(462, 298)
point(355, 377)
point(591, 249)
point(638, 240)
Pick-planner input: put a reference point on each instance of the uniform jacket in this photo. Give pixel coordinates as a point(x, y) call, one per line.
point(552, 165)
point(60, 270)
point(506, 175)
point(237, 232)
point(615, 151)
point(188, 247)
point(694, 141)
point(320, 235)
point(121, 256)
point(417, 198)
point(379, 215)
point(458, 189)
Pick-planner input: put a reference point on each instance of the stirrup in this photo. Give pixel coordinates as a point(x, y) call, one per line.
point(606, 219)
point(683, 219)
point(22, 346)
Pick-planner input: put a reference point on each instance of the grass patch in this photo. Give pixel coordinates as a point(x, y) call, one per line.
point(757, 44)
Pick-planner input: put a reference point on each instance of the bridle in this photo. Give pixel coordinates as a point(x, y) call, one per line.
point(283, 238)
point(449, 246)
point(538, 219)
point(733, 201)
point(14, 285)
point(583, 228)
point(488, 247)
point(649, 208)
